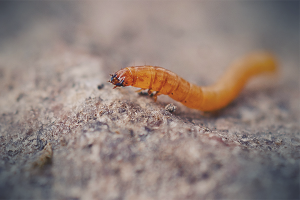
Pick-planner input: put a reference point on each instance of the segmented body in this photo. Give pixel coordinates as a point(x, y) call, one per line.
point(207, 98)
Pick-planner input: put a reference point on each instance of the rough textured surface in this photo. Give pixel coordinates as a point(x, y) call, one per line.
point(65, 134)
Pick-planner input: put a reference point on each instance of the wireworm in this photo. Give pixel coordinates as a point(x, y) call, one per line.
point(206, 98)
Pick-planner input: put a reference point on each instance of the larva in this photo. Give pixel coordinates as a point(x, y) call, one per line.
point(207, 98)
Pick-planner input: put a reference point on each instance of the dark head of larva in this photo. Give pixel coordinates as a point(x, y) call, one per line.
point(121, 78)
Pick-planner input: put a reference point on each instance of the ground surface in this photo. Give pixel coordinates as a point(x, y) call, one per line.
point(65, 134)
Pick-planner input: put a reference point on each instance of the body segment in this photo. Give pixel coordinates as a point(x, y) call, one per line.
point(207, 98)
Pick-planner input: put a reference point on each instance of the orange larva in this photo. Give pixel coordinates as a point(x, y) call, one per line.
point(207, 98)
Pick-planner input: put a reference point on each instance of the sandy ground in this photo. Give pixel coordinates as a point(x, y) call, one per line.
point(65, 134)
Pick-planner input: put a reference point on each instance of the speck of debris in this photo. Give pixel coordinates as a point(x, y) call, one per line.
point(20, 97)
point(170, 107)
point(63, 141)
point(100, 86)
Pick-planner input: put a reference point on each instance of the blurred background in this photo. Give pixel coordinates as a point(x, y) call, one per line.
point(196, 39)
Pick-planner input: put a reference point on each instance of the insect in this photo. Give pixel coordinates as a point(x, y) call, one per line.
point(207, 98)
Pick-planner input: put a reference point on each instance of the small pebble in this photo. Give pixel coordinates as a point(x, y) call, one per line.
point(100, 86)
point(170, 107)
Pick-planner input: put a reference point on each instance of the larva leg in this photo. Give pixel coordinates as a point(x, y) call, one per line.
point(155, 95)
point(150, 91)
point(140, 90)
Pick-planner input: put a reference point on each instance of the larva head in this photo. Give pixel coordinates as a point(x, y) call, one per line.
point(122, 78)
